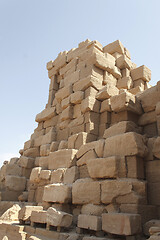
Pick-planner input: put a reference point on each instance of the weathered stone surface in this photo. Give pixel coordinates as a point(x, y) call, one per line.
point(57, 175)
point(156, 149)
point(124, 62)
point(125, 83)
point(135, 145)
point(90, 104)
point(147, 118)
point(89, 222)
point(125, 101)
point(92, 209)
point(15, 183)
point(59, 193)
point(58, 218)
point(46, 114)
point(26, 162)
point(86, 191)
point(121, 223)
point(120, 128)
point(113, 188)
point(35, 174)
point(64, 158)
point(141, 72)
point(45, 174)
point(85, 83)
point(114, 47)
point(71, 175)
point(149, 224)
point(107, 92)
point(25, 212)
point(38, 216)
point(103, 167)
point(153, 171)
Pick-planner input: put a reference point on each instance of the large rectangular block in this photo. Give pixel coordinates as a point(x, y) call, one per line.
point(38, 216)
point(46, 114)
point(15, 183)
point(121, 223)
point(25, 212)
point(59, 193)
point(135, 145)
point(89, 222)
point(141, 72)
point(113, 47)
point(85, 83)
point(103, 167)
point(107, 92)
point(86, 191)
point(58, 218)
point(64, 158)
point(153, 171)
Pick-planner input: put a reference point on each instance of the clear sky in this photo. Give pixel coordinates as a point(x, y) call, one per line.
point(32, 32)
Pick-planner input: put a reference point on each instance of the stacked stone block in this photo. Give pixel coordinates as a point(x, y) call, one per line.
point(92, 164)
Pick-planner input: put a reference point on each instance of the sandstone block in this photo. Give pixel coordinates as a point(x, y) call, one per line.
point(147, 118)
point(43, 162)
point(90, 92)
point(46, 114)
point(45, 174)
point(77, 97)
point(13, 169)
point(72, 78)
point(85, 148)
point(99, 148)
point(125, 83)
point(58, 218)
point(65, 103)
point(141, 72)
point(54, 146)
point(107, 92)
point(156, 150)
point(149, 99)
point(59, 193)
point(92, 209)
point(38, 216)
point(120, 128)
point(135, 145)
point(153, 171)
point(121, 223)
point(124, 62)
point(154, 193)
point(89, 222)
point(109, 79)
point(85, 83)
point(90, 104)
point(113, 188)
point(26, 162)
point(25, 212)
point(92, 128)
point(114, 47)
point(88, 155)
point(86, 191)
point(105, 106)
point(125, 101)
point(57, 175)
point(64, 158)
point(28, 144)
point(71, 175)
point(45, 150)
point(15, 183)
point(89, 69)
point(63, 93)
point(35, 174)
point(135, 167)
point(32, 152)
point(67, 113)
point(103, 167)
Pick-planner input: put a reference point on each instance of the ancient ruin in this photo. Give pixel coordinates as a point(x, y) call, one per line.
point(91, 169)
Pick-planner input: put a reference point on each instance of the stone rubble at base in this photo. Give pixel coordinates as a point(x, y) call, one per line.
point(91, 168)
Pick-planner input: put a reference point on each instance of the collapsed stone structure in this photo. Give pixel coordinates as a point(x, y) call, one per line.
point(91, 168)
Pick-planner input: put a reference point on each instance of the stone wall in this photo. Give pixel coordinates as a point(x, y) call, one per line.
point(93, 162)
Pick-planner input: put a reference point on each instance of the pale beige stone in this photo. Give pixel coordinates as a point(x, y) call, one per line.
point(15, 183)
point(90, 104)
point(54, 146)
point(35, 174)
point(60, 193)
point(147, 118)
point(72, 78)
point(124, 62)
point(71, 141)
point(121, 223)
point(107, 92)
point(76, 122)
point(25, 212)
point(71, 175)
point(89, 222)
point(141, 72)
point(125, 101)
point(66, 113)
point(58, 218)
point(31, 152)
point(65, 103)
point(157, 108)
point(109, 79)
point(13, 169)
point(45, 174)
point(38, 216)
point(125, 83)
point(90, 92)
point(103, 167)
point(49, 137)
point(43, 162)
point(63, 93)
point(89, 69)
point(156, 149)
point(57, 175)
point(64, 158)
point(85, 191)
point(92, 209)
point(11, 214)
point(105, 106)
point(46, 114)
point(125, 72)
point(87, 82)
point(113, 47)
point(140, 83)
point(99, 148)
point(113, 188)
point(28, 144)
point(68, 66)
point(120, 128)
point(90, 154)
point(45, 150)
point(135, 145)
point(92, 128)
point(76, 111)
point(63, 145)
point(49, 65)
point(77, 97)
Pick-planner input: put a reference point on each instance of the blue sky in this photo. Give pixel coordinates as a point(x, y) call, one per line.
point(32, 32)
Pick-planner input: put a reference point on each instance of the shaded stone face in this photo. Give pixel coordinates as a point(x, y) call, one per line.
point(92, 164)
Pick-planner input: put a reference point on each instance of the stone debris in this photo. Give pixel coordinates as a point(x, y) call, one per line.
point(91, 168)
